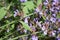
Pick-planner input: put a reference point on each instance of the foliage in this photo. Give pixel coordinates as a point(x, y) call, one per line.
point(28, 10)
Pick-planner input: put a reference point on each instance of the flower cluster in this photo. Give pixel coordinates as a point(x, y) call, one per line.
point(51, 25)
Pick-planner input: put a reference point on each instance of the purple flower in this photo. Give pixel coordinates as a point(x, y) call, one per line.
point(25, 31)
point(54, 31)
point(53, 34)
point(58, 20)
point(47, 18)
point(43, 28)
point(26, 20)
point(58, 29)
point(34, 37)
point(52, 9)
point(46, 0)
point(54, 3)
point(53, 19)
point(37, 10)
point(45, 3)
point(36, 19)
point(54, 15)
point(39, 24)
point(40, 13)
point(57, 8)
point(58, 37)
point(30, 24)
point(15, 14)
point(33, 28)
point(23, 0)
point(45, 32)
point(55, 0)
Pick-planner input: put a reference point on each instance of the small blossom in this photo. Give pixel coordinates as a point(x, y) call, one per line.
point(45, 3)
point(58, 37)
point(34, 37)
point(52, 9)
point(33, 28)
point(23, 0)
point(57, 8)
point(47, 18)
point(53, 34)
point(53, 19)
point(54, 31)
point(58, 20)
point(59, 29)
point(39, 24)
point(25, 31)
point(26, 20)
point(40, 13)
point(8, 30)
point(43, 28)
point(16, 12)
point(45, 32)
point(36, 19)
point(5, 17)
point(30, 24)
point(55, 0)
point(54, 15)
point(37, 10)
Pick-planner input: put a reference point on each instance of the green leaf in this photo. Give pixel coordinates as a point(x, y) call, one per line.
point(2, 27)
point(3, 11)
point(29, 15)
point(44, 17)
point(58, 15)
point(7, 21)
point(12, 26)
point(10, 39)
point(20, 36)
point(39, 2)
point(25, 10)
point(28, 5)
point(1, 38)
point(44, 7)
point(25, 25)
point(9, 6)
point(6, 36)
